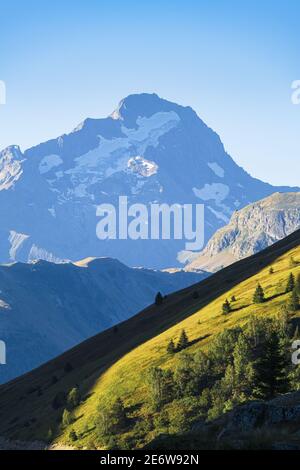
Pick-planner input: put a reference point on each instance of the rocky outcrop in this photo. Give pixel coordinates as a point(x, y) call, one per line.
point(250, 230)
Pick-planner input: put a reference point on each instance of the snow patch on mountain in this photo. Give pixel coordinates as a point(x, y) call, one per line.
point(215, 191)
point(219, 215)
point(217, 169)
point(10, 167)
point(142, 166)
point(37, 253)
point(49, 162)
point(51, 210)
point(16, 240)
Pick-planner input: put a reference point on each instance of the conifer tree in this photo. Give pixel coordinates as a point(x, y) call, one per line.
point(159, 299)
point(293, 303)
point(243, 366)
point(183, 341)
point(290, 284)
point(226, 308)
point(298, 284)
point(171, 347)
point(259, 295)
point(270, 369)
point(271, 270)
point(160, 386)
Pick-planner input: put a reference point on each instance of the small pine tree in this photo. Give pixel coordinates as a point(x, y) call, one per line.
point(290, 284)
point(159, 299)
point(298, 284)
point(259, 295)
point(233, 298)
point(73, 435)
point(271, 270)
point(183, 341)
point(293, 303)
point(270, 369)
point(226, 307)
point(171, 347)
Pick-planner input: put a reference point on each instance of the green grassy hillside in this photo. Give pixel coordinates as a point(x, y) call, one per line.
point(115, 363)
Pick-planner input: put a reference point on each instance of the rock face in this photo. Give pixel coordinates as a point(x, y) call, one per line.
point(150, 150)
point(261, 414)
point(47, 308)
point(277, 421)
point(250, 230)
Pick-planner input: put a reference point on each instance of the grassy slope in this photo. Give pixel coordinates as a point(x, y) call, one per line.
point(126, 378)
point(113, 364)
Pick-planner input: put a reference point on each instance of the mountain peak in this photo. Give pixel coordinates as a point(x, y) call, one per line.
point(142, 105)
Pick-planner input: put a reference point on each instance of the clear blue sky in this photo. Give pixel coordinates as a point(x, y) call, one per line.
point(232, 61)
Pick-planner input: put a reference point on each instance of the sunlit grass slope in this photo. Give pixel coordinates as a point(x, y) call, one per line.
point(113, 364)
point(126, 378)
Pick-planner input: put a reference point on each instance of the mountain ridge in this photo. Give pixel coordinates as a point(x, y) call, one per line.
point(250, 230)
point(47, 308)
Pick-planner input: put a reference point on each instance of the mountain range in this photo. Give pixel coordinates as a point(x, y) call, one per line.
point(47, 308)
point(148, 149)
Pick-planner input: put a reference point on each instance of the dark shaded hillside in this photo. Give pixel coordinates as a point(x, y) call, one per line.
point(26, 404)
point(47, 308)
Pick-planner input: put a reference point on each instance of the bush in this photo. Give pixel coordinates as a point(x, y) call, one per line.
point(73, 398)
point(111, 420)
point(67, 418)
point(259, 295)
point(73, 435)
point(226, 307)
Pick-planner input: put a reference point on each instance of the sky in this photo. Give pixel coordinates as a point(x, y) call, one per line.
point(232, 61)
